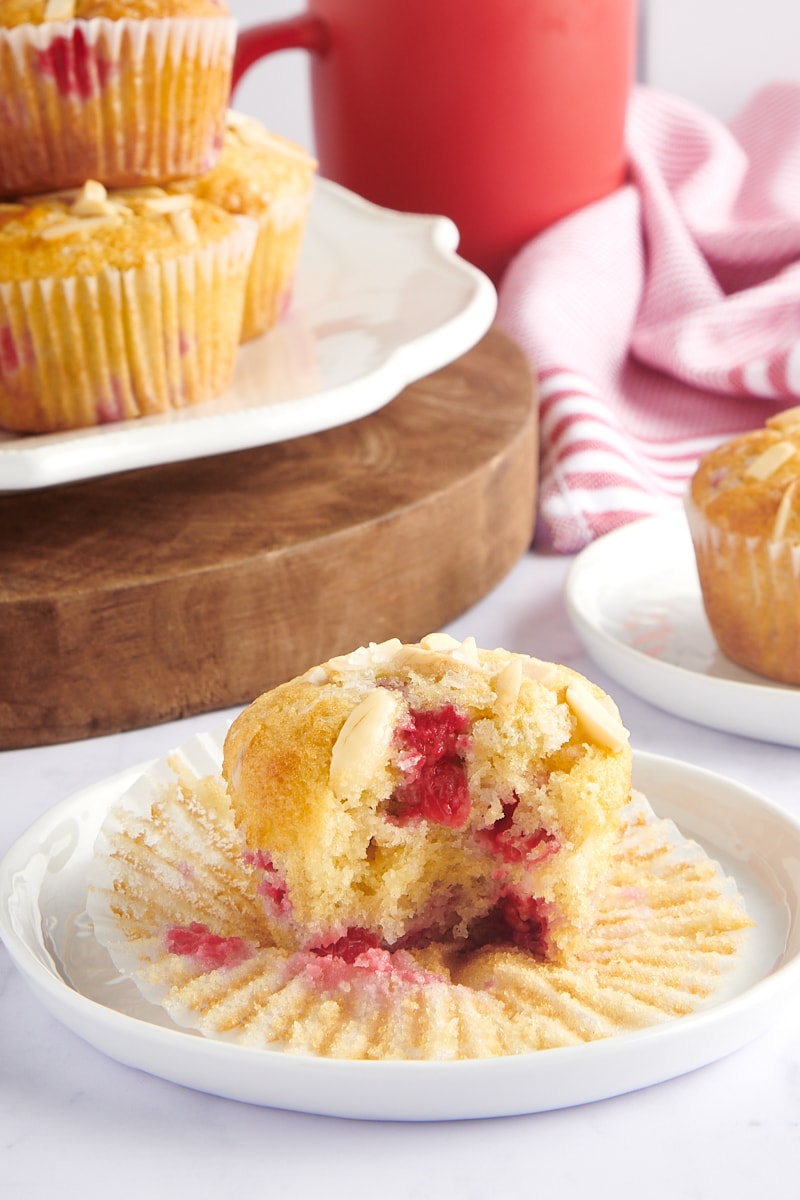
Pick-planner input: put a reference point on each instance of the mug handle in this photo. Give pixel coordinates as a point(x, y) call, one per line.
point(303, 32)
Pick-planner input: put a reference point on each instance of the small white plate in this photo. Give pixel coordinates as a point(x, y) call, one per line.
point(381, 299)
point(634, 600)
point(43, 924)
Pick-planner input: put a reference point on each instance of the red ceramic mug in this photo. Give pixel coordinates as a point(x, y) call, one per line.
point(503, 115)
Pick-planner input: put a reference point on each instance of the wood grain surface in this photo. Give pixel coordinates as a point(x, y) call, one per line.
point(142, 597)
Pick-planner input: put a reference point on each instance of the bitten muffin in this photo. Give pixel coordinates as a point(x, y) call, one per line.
point(743, 508)
point(116, 305)
point(466, 782)
point(127, 92)
point(406, 794)
point(268, 178)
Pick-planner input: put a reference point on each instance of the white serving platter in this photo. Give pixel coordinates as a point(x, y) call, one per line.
point(381, 299)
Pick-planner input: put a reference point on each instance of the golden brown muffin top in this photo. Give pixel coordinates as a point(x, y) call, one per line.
point(751, 484)
point(255, 167)
point(85, 230)
point(35, 12)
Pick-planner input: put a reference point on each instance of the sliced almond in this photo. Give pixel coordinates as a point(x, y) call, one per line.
point(59, 10)
point(183, 224)
point(537, 668)
point(468, 652)
point(784, 511)
point(173, 202)
point(91, 200)
point(316, 675)
point(601, 725)
point(770, 461)
point(362, 747)
point(507, 685)
point(789, 418)
point(439, 642)
point(610, 706)
point(376, 654)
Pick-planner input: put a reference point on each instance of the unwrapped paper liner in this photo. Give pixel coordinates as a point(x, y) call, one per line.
point(669, 928)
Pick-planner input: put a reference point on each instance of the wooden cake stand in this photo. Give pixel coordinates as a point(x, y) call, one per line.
point(146, 596)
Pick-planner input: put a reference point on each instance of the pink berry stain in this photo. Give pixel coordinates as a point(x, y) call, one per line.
point(112, 408)
point(435, 787)
point(272, 886)
point(209, 950)
point(513, 846)
point(76, 68)
point(357, 956)
point(9, 356)
point(350, 946)
point(516, 920)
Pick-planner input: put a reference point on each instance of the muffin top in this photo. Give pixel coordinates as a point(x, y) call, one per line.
point(85, 230)
point(35, 12)
point(750, 485)
point(256, 167)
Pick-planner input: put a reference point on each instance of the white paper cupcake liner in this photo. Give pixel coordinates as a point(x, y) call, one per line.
point(751, 595)
point(125, 102)
point(273, 266)
point(668, 926)
point(93, 349)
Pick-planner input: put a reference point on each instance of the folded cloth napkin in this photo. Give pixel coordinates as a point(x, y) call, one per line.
point(666, 317)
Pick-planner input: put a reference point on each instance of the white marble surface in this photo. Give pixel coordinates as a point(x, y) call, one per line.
point(78, 1123)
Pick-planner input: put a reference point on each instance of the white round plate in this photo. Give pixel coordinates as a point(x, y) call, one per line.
point(381, 299)
point(43, 924)
point(634, 600)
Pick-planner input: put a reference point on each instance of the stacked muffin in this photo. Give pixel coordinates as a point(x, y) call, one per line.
point(131, 206)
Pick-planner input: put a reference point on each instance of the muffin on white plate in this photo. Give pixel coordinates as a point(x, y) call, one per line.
point(412, 852)
point(743, 508)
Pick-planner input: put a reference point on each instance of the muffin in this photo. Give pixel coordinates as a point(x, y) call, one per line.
point(268, 178)
point(127, 92)
point(116, 305)
point(469, 789)
point(743, 508)
point(406, 794)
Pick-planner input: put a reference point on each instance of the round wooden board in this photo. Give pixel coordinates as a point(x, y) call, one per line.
point(142, 597)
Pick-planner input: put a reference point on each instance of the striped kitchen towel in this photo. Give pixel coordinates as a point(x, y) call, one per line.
point(665, 317)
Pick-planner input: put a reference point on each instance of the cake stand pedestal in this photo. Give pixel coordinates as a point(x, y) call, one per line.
point(155, 594)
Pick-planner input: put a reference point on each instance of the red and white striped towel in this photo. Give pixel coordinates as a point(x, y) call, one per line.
point(665, 317)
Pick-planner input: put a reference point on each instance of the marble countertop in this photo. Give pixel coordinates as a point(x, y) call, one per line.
point(77, 1123)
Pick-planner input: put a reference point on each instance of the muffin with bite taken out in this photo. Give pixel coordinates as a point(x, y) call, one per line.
point(413, 851)
point(406, 794)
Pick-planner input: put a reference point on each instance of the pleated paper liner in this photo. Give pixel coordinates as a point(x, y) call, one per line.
point(169, 872)
point(123, 101)
point(119, 344)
